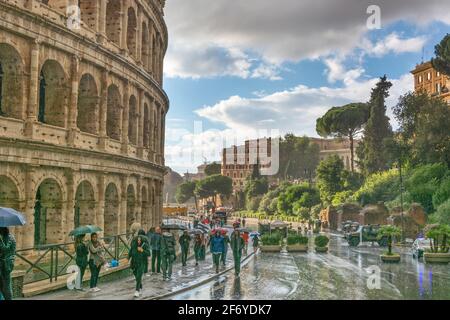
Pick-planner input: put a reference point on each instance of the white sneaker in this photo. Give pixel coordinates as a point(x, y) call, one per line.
point(97, 289)
point(136, 294)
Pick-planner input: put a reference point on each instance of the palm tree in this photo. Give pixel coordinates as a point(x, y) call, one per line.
point(389, 232)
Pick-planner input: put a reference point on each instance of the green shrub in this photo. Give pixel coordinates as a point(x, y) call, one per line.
point(253, 204)
point(342, 197)
point(321, 241)
point(442, 214)
point(293, 239)
point(271, 239)
point(442, 194)
point(383, 186)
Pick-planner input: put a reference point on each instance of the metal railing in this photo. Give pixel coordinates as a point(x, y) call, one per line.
point(48, 262)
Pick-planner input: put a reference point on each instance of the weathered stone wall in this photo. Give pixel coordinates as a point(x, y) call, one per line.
point(82, 115)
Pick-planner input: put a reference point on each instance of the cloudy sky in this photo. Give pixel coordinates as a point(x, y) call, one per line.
point(239, 69)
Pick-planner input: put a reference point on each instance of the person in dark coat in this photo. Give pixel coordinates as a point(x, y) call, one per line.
point(184, 242)
point(7, 258)
point(138, 257)
point(226, 239)
point(168, 254)
point(82, 261)
point(155, 243)
point(96, 260)
point(147, 241)
point(217, 244)
point(237, 245)
point(198, 242)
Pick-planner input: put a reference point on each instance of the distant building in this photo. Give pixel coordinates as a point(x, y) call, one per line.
point(428, 79)
point(200, 173)
point(238, 161)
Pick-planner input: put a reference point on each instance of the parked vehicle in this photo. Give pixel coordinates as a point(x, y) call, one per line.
point(367, 233)
point(419, 246)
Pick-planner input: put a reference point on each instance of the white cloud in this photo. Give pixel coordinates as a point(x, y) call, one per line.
point(394, 44)
point(278, 31)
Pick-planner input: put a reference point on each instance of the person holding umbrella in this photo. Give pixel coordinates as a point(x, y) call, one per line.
point(82, 253)
point(138, 257)
point(255, 239)
point(7, 258)
point(184, 242)
point(237, 244)
point(168, 254)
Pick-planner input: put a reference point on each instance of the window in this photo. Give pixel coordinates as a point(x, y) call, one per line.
point(429, 76)
point(42, 85)
point(438, 87)
point(438, 74)
point(420, 79)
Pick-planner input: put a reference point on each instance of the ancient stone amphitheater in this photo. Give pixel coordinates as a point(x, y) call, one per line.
point(82, 115)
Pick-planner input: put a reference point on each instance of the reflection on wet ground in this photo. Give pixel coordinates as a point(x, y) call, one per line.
point(343, 273)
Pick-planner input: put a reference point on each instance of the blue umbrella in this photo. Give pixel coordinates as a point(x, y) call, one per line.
point(10, 217)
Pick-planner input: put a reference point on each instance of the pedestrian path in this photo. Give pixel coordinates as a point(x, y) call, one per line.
point(153, 285)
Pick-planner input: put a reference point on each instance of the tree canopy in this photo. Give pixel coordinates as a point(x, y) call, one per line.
point(442, 61)
point(213, 168)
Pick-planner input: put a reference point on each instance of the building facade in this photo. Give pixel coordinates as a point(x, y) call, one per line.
point(427, 79)
point(238, 162)
point(82, 115)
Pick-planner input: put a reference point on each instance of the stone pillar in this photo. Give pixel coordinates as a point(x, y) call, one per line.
point(101, 21)
point(123, 44)
point(138, 205)
point(125, 117)
point(100, 207)
point(33, 97)
point(158, 134)
point(140, 131)
point(139, 36)
point(152, 198)
point(73, 106)
point(103, 110)
point(30, 197)
point(150, 55)
point(163, 133)
point(67, 220)
point(123, 205)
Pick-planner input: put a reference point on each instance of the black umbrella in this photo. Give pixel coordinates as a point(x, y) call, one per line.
point(196, 231)
point(173, 227)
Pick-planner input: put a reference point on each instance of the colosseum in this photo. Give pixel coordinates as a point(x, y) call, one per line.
point(82, 115)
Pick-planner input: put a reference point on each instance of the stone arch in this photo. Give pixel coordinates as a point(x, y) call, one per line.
point(85, 205)
point(9, 193)
point(132, 120)
point(146, 129)
point(88, 105)
point(113, 21)
point(145, 46)
point(53, 94)
point(11, 82)
point(114, 111)
point(48, 213)
point(131, 31)
point(131, 207)
point(145, 215)
point(111, 210)
point(88, 12)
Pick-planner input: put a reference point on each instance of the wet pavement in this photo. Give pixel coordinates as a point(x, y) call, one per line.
point(340, 274)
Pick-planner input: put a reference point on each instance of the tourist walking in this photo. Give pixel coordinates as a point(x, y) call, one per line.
point(237, 244)
point(243, 222)
point(198, 242)
point(255, 243)
point(7, 258)
point(96, 260)
point(82, 261)
point(245, 236)
point(155, 243)
point(147, 245)
point(138, 257)
point(217, 247)
point(184, 242)
point(226, 240)
point(203, 248)
point(168, 254)
point(134, 229)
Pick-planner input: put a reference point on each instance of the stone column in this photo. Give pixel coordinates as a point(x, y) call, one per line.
point(163, 133)
point(150, 55)
point(139, 36)
point(123, 44)
point(73, 106)
point(33, 97)
point(140, 131)
point(152, 197)
point(101, 21)
point(100, 207)
point(158, 134)
point(103, 110)
point(138, 205)
point(123, 205)
point(125, 116)
point(30, 198)
point(67, 220)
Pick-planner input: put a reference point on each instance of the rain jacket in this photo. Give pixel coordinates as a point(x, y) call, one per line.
point(217, 244)
point(167, 245)
point(82, 252)
point(7, 255)
point(155, 241)
point(138, 260)
point(184, 242)
point(237, 243)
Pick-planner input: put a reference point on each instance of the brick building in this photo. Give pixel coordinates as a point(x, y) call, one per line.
point(426, 78)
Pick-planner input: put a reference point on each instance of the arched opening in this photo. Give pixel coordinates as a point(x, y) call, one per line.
point(145, 50)
point(53, 94)
point(11, 95)
point(88, 105)
point(131, 206)
point(113, 116)
point(145, 215)
point(131, 32)
point(146, 133)
point(47, 214)
point(9, 194)
point(111, 210)
point(154, 56)
point(155, 130)
point(132, 121)
point(88, 10)
point(113, 21)
point(84, 211)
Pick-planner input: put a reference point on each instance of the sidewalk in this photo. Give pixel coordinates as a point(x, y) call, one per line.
point(153, 286)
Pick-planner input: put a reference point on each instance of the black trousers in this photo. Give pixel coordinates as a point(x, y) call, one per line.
point(156, 258)
point(5, 287)
point(95, 273)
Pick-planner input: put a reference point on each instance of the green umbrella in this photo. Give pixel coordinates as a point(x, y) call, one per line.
point(84, 230)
